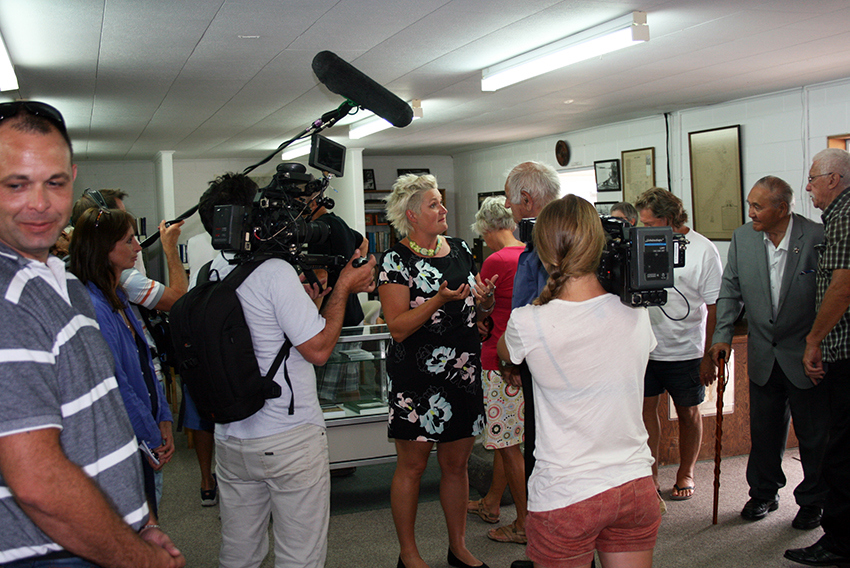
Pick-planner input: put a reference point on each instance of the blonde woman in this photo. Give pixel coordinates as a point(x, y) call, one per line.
point(591, 488)
point(432, 299)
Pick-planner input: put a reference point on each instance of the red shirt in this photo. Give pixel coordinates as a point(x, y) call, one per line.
point(503, 263)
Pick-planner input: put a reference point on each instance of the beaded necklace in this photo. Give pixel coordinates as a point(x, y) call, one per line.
point(423, 251)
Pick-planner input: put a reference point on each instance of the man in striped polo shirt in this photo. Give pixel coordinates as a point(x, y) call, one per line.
point(70, 480)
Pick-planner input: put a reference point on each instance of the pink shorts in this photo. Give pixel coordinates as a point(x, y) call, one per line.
point(622, 519)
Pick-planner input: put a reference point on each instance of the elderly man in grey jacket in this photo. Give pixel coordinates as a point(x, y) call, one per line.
point(770, 272)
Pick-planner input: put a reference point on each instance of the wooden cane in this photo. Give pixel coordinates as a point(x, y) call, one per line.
point(718, 435)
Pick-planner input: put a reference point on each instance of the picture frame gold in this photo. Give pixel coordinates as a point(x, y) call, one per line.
point(716, 186)
point(638, 168)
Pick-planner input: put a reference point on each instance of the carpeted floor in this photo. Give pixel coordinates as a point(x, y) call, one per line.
point(362, 535)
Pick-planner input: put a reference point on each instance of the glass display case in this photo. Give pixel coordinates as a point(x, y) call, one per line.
point(352, 389)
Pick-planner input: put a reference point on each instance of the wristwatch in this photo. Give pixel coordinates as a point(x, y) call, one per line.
point(505, 364)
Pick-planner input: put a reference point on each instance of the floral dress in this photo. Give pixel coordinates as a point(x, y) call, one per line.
point(435, 392)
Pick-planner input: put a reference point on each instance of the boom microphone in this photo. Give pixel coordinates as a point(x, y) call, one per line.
point(342, 78)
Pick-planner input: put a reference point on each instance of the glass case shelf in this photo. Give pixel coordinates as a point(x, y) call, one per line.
point(353, 382)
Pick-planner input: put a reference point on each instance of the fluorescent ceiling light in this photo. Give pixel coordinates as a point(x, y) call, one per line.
point(599, 40)
point(375, 124)
point(296, 151)
point(8, 79)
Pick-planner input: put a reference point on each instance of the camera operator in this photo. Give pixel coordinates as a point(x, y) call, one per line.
point(273, 462)
point(339, 380)
point(680, 364)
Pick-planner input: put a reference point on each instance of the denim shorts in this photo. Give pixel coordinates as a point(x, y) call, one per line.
point(622, 519)
point(679, 378)
point(191, 418)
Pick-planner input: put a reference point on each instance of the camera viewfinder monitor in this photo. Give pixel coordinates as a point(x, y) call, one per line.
point(327, 155)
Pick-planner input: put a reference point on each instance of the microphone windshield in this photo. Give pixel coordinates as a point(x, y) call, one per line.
point(344, 79)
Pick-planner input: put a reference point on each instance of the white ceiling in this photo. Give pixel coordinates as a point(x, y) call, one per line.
point(134, 77)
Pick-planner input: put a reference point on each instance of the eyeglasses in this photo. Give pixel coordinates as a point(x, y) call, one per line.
point(821, 175)
point(35, 108)
point(99, 201)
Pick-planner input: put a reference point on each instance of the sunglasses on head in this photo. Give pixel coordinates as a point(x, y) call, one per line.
point(35, 108)
point(99, 201)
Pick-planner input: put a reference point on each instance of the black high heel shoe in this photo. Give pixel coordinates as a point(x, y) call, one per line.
point(457, 563)
point(400, 563)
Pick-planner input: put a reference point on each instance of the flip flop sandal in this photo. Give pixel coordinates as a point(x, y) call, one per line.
point(507, 533)
point(478, 508)
point(678, 489)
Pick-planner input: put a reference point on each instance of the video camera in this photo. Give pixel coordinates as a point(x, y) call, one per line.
point(637, 262)
point(279, 223)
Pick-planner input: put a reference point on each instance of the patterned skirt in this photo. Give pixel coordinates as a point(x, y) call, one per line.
point(505, 409)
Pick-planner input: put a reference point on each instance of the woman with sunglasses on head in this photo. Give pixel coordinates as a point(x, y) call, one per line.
point(103, 245)
point(591, 488)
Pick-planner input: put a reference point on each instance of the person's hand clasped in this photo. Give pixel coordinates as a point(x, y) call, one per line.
point(358, 276)
point(813, 363)
point(169, 234)
point(483, 291)
point(316, 290)
point(715, 352)
point(162, 542)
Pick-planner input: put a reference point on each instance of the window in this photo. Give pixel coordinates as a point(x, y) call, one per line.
point(581, 182)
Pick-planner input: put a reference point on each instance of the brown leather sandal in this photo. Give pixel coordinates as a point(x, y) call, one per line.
point(478, 508)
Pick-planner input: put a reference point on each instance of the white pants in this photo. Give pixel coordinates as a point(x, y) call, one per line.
point(286, 476)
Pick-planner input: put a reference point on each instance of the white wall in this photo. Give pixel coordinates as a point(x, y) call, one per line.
point(780, 132)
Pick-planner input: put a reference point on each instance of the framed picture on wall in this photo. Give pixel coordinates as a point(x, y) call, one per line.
point(604, 207)
point(417, 171)
point(369, 180)
point(638, 172)
point(607, 175)
point(381, 218)
point(716, 187)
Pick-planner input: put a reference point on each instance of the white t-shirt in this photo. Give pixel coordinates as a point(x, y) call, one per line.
point(587, 361)
point(699, 280)
point(274, 303)
point(200, 251)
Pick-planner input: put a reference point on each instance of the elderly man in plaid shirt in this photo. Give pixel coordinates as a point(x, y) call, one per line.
point(827, 355)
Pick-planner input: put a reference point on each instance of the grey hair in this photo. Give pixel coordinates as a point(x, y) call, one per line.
point(626, 209)
point(834, 160)
point(407, 196)
point(780, 191)
point(539, 180)
point(493, 216)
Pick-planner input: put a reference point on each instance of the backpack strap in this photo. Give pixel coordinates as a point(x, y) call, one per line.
point(204, 273)
point(234, 279)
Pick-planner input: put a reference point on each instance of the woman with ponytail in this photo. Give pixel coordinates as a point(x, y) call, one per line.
point(591, 488)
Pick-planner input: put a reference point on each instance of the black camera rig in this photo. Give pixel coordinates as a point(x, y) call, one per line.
point(280, 221)
point(637, 262)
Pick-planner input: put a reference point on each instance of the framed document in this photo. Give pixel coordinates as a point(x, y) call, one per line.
point(716, 181)
point(638, 172)
point(604, 207)
point(607, 175)
point(369, 180)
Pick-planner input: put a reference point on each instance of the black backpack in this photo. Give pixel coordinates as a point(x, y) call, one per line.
point(215, 354)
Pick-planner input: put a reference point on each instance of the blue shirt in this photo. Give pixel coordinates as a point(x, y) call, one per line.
point(128, 369)
point(530, 278)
